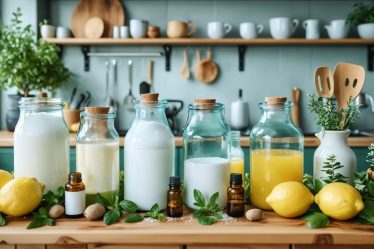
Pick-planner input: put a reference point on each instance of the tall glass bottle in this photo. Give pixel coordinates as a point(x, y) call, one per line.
point(98, 153)
point(206, 143)
point(276, 150)
point(41, 142)
point(149, 154)
point(237, 155)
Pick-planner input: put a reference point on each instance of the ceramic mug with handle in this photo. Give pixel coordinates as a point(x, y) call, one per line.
point(249, 30)
point(337, 29)
point(179, 29)
point(217, 30)
point(311, 27)
point(283, 27)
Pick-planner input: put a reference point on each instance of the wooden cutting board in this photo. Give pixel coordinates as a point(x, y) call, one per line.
point(110, 11)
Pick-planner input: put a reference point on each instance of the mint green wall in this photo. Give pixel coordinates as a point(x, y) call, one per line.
point(268, 70)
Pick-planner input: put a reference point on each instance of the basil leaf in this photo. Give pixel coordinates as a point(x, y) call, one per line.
point(111, 217)
point(218, 215)
point(2, 220)
point(318, 185)
point(366, 216)
point(37, 222)
point(207, 220)
point(43, 212)
point(199, 198)
point(318, 220)
point(213, 199)
point(128, 206)
point(49, 221)
point(60, 192)
point(155, 208)
point(161, 216)
point(200, 212)
point(100, 199)
point(134, 218)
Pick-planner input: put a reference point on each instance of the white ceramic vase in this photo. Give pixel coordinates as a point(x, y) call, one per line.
point(335, 142)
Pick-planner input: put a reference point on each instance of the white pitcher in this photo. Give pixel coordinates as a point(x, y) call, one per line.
point(335, 142)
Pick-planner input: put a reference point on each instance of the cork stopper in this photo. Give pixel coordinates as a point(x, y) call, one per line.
point(275, 100)
point(149, 98)
point(96, 110)
point(205, 103)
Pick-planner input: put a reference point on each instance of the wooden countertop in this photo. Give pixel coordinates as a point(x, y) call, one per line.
point(6, 140)
point(186, 231)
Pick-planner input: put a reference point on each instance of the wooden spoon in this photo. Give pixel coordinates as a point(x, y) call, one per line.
point(324, 82)
point(349, 80)
point(185, 71)
point(296, 104)
point(206, 70)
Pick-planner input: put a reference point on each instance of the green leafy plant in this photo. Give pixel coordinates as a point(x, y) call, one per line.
point(317, 219)
point(329, 117)
point(329, 167)
point(314, 185)
point(247, 188)
point(41, 218)
point(2, 220)
point(134, 218)
point(155, 213)
point(27, 63)
point(362, 13)
point(207, 212)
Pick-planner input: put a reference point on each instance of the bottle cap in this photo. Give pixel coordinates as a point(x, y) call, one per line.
point(205, 103)
point(275, 100)
point(149, 98)
point(236, 178)
point(75, 177)
point(175, 180)
point(97, 110)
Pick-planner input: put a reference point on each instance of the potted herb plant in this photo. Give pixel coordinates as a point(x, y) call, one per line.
point(363, 17)
point(27, 64)
point(334, 135)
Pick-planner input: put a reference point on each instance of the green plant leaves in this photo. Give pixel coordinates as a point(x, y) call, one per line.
point(155, 213)
point(2, 220)
point(134, 218)
point(40, 218)
point(128, 206)
point(317, 220)
point(112, 216)
point(101, 199)
point(367, 215)
point(206, 214)
point(199, 198)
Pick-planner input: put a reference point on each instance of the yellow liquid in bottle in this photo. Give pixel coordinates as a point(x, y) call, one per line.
point(237, 166)
point(268, 168)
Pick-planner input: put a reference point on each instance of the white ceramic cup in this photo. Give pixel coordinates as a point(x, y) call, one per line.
point(62, 32)
point(283, 27)
point(217, 30)
point(249, 30)
point(311, 27)
point(124, 32)
point(337, 29)
point(116, 34)
point(47, 31)
point(138, 28)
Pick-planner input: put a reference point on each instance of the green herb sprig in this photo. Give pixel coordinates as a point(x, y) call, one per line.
point(155, 213)
point(207, 212)
point(362, 13)
point(41, 218)
point(2, 220)
point(330, 166)
point(247, 189)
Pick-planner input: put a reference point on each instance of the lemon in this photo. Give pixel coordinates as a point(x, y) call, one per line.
point(290, 199)
point(21, 196)
point(5, 177)
point(340, 201)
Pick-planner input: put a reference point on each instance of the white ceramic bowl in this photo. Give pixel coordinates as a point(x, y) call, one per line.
point(366, 30)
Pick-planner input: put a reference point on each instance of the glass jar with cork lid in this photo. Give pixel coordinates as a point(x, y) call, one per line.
point(98, 153)
point(206, 143)
point(149, 154)
point(276, 150)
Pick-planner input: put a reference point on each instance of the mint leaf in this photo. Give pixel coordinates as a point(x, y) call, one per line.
point(155, 208)
point(213, 199)
point(134, 218)
point(161, 216)
point(128, 206)
point(207, 214)
point(199, 198)
point(2, 220)
point(37, 222)
point(317, 220)
point(100, 199)
point(111, 216)
point(207, 220)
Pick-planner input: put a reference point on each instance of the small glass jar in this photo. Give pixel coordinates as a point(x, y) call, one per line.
point(41, 142)
point(98, 153)
point(237, 155)
point(206, 143)
point(149, 154)
point(276, 150)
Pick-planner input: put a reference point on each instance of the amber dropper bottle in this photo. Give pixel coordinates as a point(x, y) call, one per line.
point(175, 198)
point(235, 196)
point(75, 196)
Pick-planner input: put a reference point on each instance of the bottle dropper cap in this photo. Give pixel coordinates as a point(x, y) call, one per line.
point(236, 178)
point(175, 180)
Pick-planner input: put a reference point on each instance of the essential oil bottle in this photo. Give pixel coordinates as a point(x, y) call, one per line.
point(235, 196)
point(175, 198)
point(75, 196)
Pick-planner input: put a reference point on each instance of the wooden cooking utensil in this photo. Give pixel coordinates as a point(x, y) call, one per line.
point(94, 27)
point(349, 80)
point(206, 70)
point(150, 75)
point(324, 82)
point(296, 106)
point(185, 71)
point(110, 11)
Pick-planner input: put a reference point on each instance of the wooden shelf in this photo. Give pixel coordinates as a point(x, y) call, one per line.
point(210, 42)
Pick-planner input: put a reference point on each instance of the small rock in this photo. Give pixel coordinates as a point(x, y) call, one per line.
point(94, 211)
point(56, 211)
point(254, 214)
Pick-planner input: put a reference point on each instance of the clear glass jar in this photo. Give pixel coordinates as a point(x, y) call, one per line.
point(237, 155)
point(149, 154)
point(206, 143)
point(276, 150)
point(41, 142)
point(98, 153)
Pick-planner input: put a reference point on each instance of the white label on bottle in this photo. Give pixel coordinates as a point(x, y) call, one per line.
point(75, 202)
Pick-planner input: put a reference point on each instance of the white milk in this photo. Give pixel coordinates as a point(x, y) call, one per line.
point(99, 164)
point(149, 163)
point(208, 175)
point(41, 149)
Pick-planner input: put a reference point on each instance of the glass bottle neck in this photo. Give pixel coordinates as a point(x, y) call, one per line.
point(281, 114)
point(155, 113)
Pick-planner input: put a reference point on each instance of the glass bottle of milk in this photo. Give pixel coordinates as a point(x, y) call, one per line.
point(206, 143)
point(149, 154)
point(98, 153)
point(41, 142)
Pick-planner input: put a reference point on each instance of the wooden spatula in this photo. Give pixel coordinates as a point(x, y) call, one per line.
point(324, 82)
point(348, 82)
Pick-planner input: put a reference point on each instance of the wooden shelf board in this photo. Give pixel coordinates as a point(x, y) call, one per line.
point(211, 42)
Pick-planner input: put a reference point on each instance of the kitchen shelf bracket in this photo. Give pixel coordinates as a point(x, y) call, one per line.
point(241, 51)
point(370, 58)
point(85, 51)
point(167, 51)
